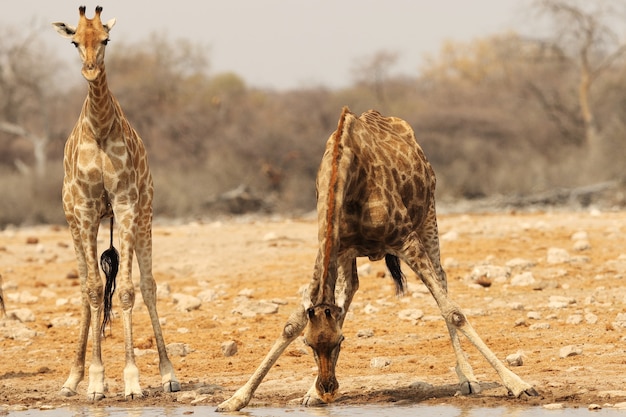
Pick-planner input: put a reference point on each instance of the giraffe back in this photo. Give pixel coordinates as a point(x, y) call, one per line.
point(374, 187)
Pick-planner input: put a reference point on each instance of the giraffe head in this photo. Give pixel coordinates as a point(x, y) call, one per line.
point(90, 37)
point(323, 335)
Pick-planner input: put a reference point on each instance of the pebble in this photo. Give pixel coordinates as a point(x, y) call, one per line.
point(253, 308)
point(574, 319)
point(229, 348)
point(365, 333)
point(554, 406)
point(364, 270)
point(570, 350)
point(539, 326)
point(411, 314)
point(515, 359)
point(178, 349)
point(559, 301)
point(491, 272)
point(22, 314)
point(370, 309)
point(186, 303)
point(524, 279)
point(557, 256)
point(380, 362)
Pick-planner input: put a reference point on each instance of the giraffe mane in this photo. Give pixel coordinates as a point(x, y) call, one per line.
point(331, 202)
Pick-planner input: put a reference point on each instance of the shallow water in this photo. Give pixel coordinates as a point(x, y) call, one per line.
point(330, 411)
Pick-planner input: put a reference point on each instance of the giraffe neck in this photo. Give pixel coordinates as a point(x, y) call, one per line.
point(100, 109)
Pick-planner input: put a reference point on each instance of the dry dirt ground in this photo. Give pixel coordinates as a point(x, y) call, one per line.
point(573, 297)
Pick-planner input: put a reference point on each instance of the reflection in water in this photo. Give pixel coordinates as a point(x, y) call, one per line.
point(327, 411)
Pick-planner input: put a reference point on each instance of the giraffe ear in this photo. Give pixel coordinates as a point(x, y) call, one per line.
point(109, 25)
point(64, 30)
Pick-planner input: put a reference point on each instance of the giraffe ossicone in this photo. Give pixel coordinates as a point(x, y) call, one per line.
point(376, 198)
point(107, 174)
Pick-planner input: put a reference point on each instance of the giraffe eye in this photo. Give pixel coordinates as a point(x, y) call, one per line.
point(105, 42)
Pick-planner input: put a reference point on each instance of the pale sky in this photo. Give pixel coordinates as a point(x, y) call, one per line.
point(284, 44)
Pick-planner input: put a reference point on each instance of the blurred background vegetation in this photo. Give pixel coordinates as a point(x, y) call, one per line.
point(503, 115)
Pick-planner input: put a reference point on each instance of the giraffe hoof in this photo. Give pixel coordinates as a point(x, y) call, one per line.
point(171, 386)
point(67, 392)
point(469, 388)
point(312, 401)
point(134, 395)
point(95, 396)
point(530, 392)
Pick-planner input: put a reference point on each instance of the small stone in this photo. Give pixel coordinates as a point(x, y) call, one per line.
point(178, 349)
point(370, 309)
point(592, 407)
point(559, 301)
point(574, 319)
point(580, 235)
point(515, 359)
point(22, 314)
point(229, 348)
point(553, 406)
point(540, 326)
point(365, 333)
point(581, 245)
point(524, 279)
point(411, 314)
point(557, 256)
point(534, 315)
point(591, 318)
point(569, 350)
point(380, 362)
point(186, 302)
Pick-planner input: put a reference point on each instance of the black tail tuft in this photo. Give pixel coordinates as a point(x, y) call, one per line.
point(393, 264)
point(2, 310)
point(109, 262)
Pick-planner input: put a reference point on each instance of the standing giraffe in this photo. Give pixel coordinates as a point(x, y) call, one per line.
point(375, 198)
point(107, 174)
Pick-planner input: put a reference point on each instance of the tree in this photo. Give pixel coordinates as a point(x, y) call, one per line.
point(583, 28)
point(27, 88)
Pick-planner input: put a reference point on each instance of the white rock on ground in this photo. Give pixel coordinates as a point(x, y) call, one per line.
point(515, 359)
point(380, 362)
point(252, 308)
point(229, 348)
point(523, 280)
point(178, 349)
point(186, 302)
point(557, 256)
point(569, 350)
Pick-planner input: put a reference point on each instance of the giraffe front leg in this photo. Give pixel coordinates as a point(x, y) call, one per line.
point(294, 326)
point(77, 372)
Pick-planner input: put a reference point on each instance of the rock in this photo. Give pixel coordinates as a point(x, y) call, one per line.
point(186, 302)
point(163, 290)
point(178, 349)
point(557, 256)
point(581, 245)
point(520, 263)
point(591, 318)
point(412, 314)
point(534, 315)
point(580, 235)
point(229, 348)
point(370, 309)
point(207, 296)
point(365, 333)
point(574, 319)
point(22, 314)
point(592, 407)
point(524, 279)
point(559, 301)
point(252, 308)
point(450, 236)
point(515, 359)
point(539, 326)
point(380, 363)
point(620, 320)
point(569, 350)
point(553, 406)
point(65, 321)
point(492, 273)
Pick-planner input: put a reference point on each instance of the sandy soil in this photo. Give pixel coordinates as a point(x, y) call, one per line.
point(241, 261)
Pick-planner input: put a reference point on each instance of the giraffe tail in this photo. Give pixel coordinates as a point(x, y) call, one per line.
point(2, 310)
point(393, 264)
point(109, 262)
